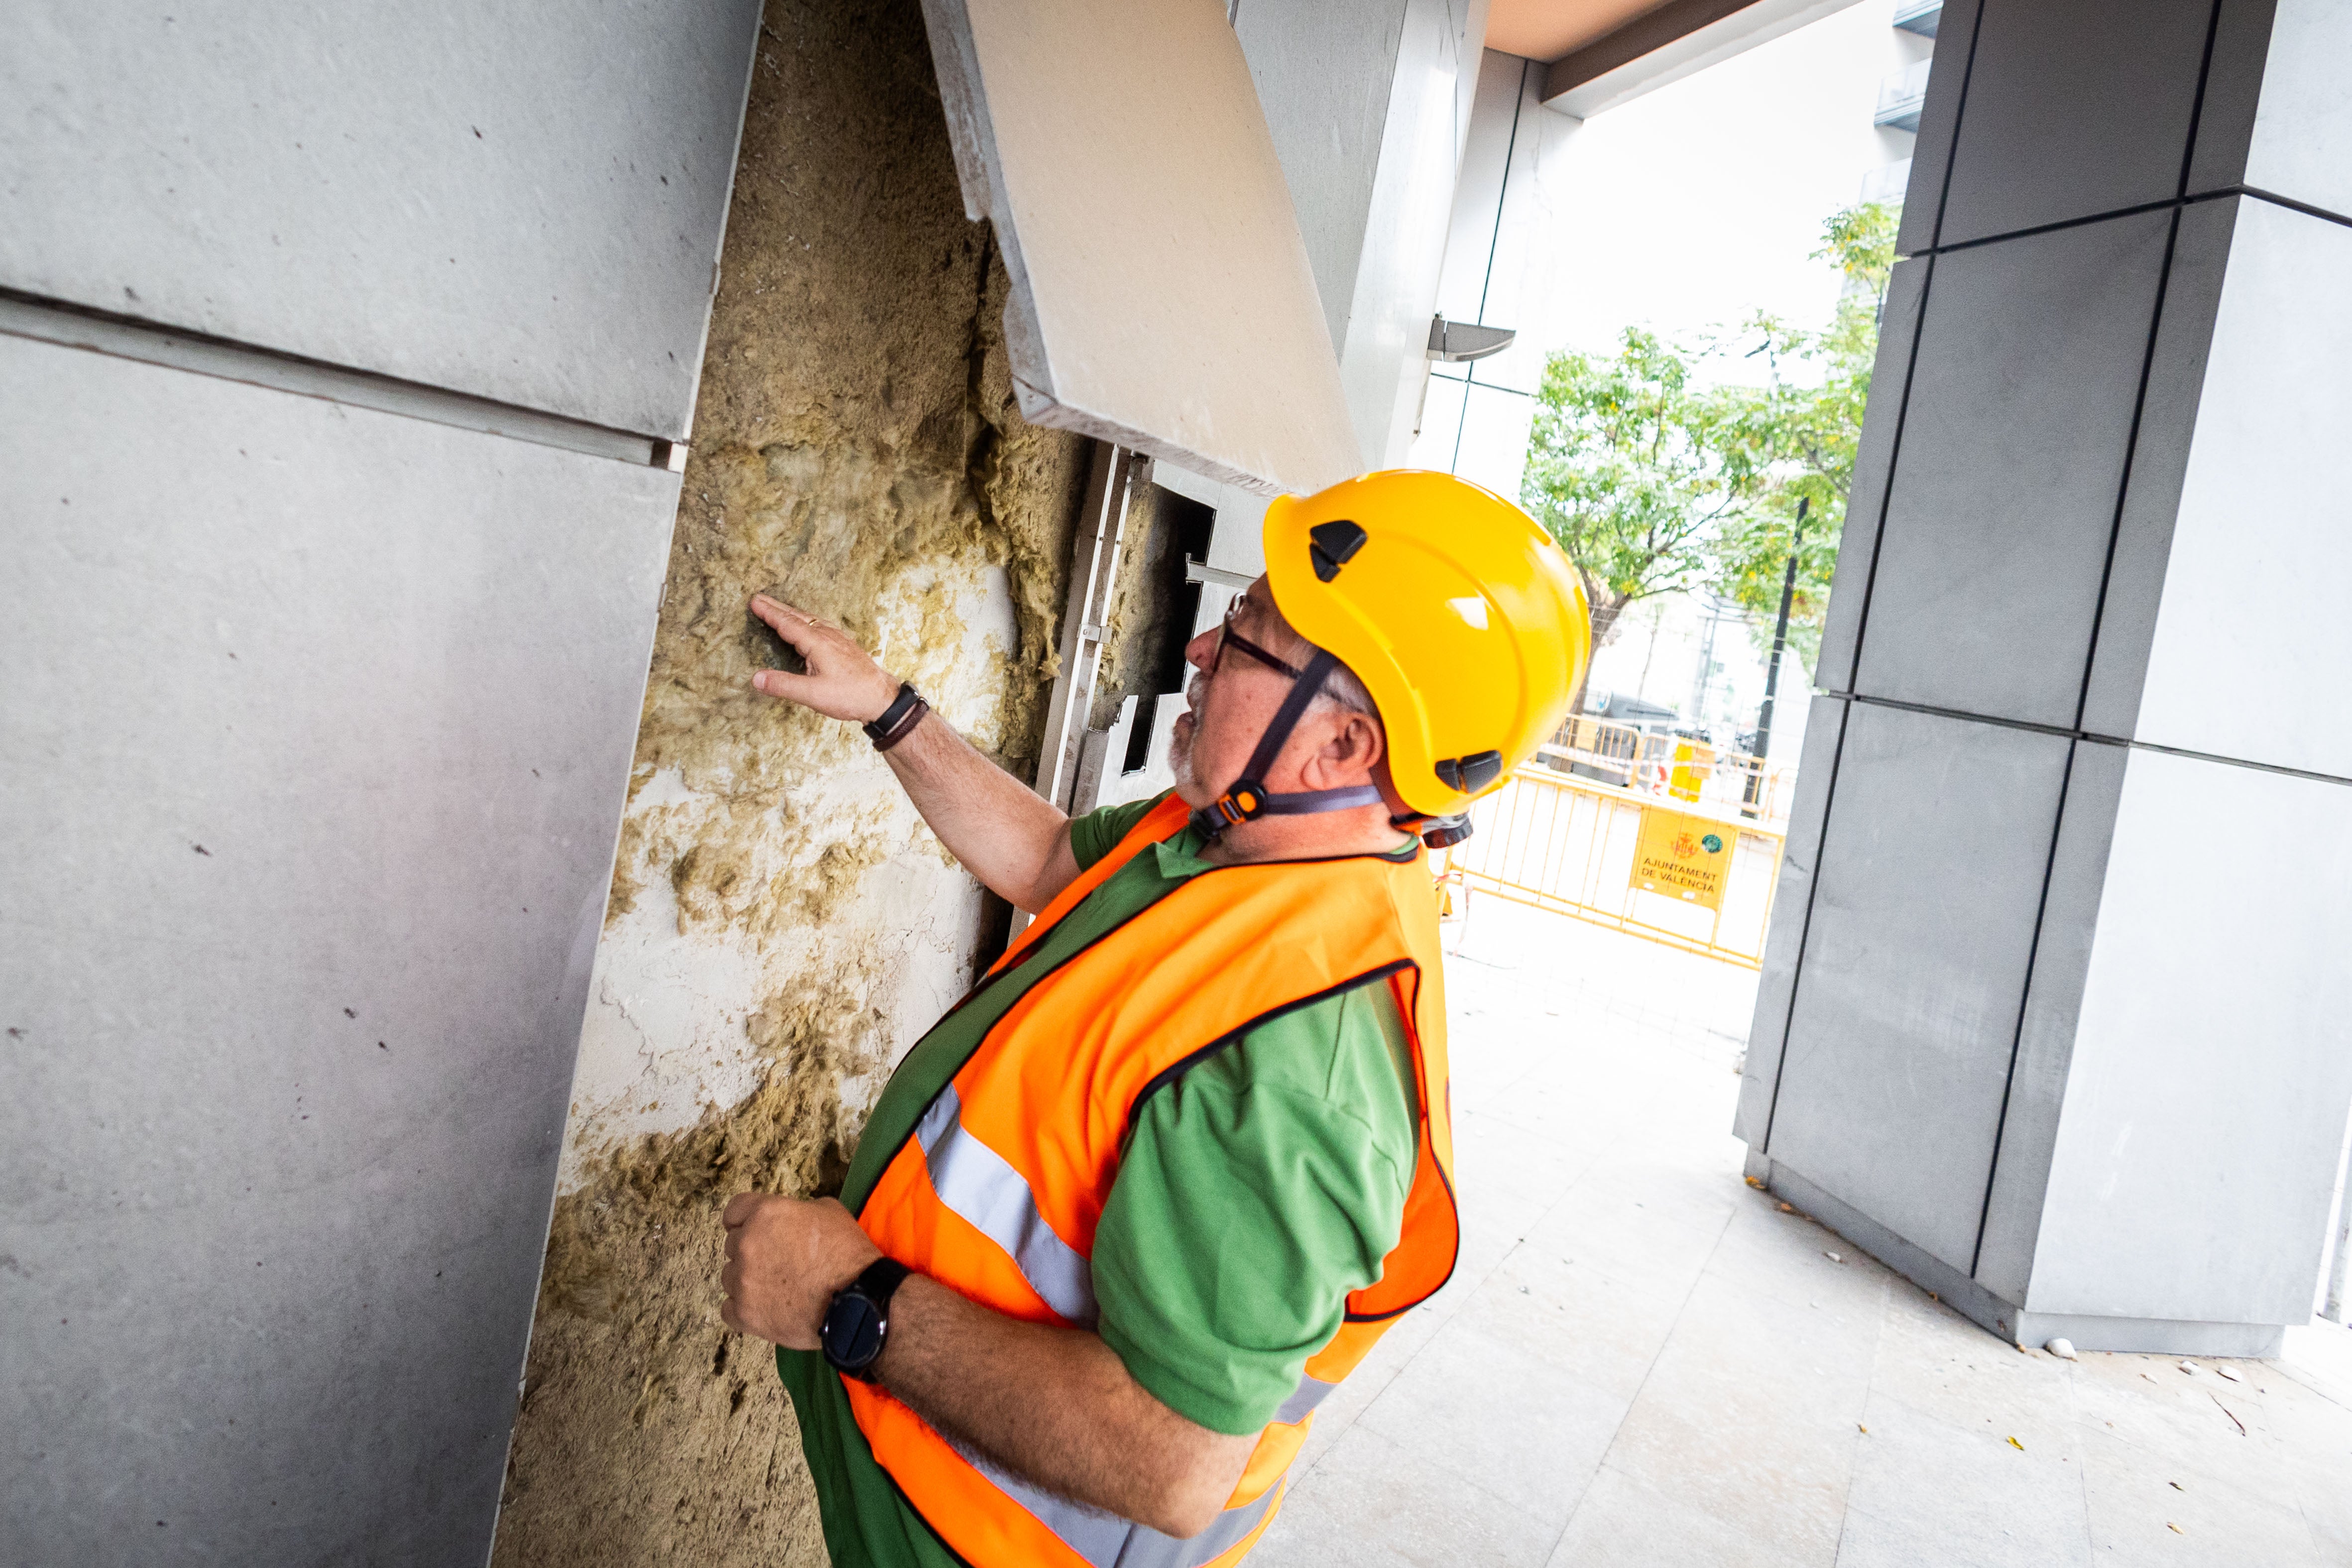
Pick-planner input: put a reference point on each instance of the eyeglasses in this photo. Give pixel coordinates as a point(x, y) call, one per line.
point(1227, 636)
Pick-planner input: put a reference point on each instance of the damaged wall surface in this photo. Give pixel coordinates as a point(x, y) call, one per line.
point(782, 926)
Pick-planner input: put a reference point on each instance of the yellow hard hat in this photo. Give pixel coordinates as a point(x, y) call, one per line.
point(1461, 616)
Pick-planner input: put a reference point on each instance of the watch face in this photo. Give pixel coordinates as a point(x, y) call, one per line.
point(852, 1332)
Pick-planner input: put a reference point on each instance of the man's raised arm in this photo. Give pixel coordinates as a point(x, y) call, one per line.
point(1016, 844)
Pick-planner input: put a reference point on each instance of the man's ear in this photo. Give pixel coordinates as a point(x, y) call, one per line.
point(1356, 743)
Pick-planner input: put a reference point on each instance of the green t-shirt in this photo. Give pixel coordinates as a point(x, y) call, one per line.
point(1259, 1189)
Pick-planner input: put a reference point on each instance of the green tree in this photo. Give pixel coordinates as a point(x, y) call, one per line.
point(1802, 431)
point(1655, 477)
point(1631, 464)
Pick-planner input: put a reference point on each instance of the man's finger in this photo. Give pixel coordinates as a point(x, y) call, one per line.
point(790, 622)
point(784, 683)
point(740, 1208)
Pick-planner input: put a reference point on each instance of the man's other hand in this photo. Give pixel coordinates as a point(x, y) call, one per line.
point(786, 1259)
point(843, 681)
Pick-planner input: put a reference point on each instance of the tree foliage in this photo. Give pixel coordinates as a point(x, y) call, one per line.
point(1806, 430)
point(1631, 464)
point(1656, 477)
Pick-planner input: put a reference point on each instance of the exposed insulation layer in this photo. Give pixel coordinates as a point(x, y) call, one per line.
point(780, 924)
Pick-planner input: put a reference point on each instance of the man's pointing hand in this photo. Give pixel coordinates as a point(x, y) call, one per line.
point(843, 681)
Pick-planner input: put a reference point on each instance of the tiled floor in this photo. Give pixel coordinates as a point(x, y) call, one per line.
point(1641, 1360)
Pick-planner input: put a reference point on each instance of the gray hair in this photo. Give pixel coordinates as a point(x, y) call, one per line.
point(1343, 690)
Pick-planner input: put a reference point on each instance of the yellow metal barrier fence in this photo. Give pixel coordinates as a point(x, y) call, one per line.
point(1659, 763)
point(1692, 875)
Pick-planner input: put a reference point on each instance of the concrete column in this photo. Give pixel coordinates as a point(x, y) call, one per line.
point(2054, 1013)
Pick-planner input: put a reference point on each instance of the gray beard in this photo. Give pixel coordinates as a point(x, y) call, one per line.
point(1180, 746)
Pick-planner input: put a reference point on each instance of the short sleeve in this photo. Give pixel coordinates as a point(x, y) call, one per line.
point(1259, 1190)
point(1097, 832)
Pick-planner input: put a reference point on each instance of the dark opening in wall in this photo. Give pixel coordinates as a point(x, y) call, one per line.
point(1180, 534)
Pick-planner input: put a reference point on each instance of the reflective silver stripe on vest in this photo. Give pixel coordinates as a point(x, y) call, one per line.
point(1310, 1392)
point(976, 1183)
point(1108, 1541)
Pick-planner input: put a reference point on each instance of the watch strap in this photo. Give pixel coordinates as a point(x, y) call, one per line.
point(896, 723)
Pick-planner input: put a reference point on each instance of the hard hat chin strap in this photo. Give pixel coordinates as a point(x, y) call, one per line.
point(1246, 799)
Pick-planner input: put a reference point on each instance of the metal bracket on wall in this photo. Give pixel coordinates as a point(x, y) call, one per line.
point(1194, 571)
point(1455, 341)
point(1116, 478)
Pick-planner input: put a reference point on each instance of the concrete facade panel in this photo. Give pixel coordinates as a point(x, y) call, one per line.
point(1383, 361)
point(321, 727)
point(1328, 142)
point(1205, 342)
point(2232, 668)
point(2072, 111)
point(1939, 122)
point(1817, 769)
point(2013, 447)
point(2301, 141)
point(524, 204)
point(2054, 999)
point(2232, 96)
point(1915, 966)
point(2168, 426)
point(2206, 1099)
point(1873, 463)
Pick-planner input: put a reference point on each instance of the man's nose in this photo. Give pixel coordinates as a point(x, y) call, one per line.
point(1201, 653)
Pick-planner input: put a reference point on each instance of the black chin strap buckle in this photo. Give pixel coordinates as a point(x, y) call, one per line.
point(1436, 832)
point(1244, 802)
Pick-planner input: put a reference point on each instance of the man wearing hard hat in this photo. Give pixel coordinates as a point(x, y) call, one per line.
point(1141, 1200)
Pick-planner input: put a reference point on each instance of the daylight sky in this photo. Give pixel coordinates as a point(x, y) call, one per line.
point(1699, 203)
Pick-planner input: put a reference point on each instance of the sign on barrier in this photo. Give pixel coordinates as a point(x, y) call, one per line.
point(1681, 856)
point(1700, 879)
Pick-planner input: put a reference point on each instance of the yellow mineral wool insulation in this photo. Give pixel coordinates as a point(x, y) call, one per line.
point(782, 925)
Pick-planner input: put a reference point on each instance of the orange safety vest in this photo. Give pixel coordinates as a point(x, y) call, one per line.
point(997, 1192)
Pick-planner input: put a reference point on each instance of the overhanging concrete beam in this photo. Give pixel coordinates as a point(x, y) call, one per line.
point(1668, 44)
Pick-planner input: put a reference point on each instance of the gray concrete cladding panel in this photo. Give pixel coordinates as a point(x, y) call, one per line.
point(2071, 110)
point(2205, 1107)
point(2006, 481)
point(1915, 966)
point(1328, 142)
point(2276, 116)
point(2250, 638)
point(319, 727)
point(1874, 461)
point(523, 203)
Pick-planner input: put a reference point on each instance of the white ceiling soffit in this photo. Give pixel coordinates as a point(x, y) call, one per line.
point(1677, 39)
point(1162, 297)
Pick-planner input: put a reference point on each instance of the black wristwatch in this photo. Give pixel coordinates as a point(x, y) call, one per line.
point(858, 1321)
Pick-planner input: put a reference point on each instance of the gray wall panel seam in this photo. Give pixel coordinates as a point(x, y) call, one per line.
point(2219, 193)
point(2024, 995)
point(1895, 446)
point(1893, 462)
point(725, 211)
point(2131, 454)
point(2197, 108)
point(1804, 933)
point(2097, 737)
point(1494, 244)
point(1952, 153)
point(64, 325)
point(2306, 208)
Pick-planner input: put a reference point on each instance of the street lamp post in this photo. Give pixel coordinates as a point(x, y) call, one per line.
point(1772, 671)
